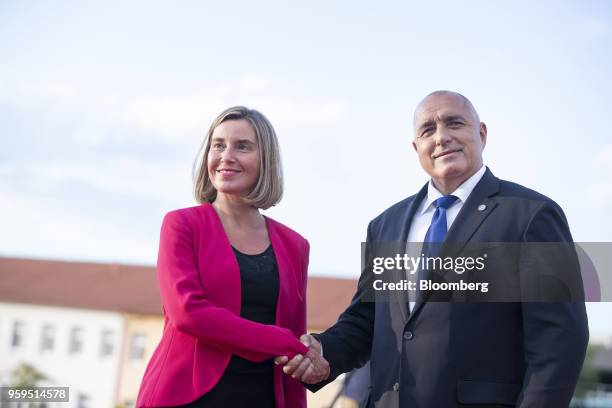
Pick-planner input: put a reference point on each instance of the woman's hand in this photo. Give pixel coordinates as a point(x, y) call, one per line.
point(311, 368)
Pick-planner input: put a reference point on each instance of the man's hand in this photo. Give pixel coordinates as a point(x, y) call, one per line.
point(309, 369)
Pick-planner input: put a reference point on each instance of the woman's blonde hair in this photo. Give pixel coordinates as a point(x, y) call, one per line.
point(268, 190)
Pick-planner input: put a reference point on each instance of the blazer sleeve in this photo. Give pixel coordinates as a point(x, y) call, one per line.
point(299, 326)
point(189, 311)
point(555, 332)
point(295, 393)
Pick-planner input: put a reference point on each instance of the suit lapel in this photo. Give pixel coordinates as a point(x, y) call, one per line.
point(406, 222)
point(477, 207)
point(218, 264)
point(281, 254)
point(401, 296)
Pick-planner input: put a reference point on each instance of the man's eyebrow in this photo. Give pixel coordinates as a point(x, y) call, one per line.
point(446, 118)
point(452, 117)
point(427, 123)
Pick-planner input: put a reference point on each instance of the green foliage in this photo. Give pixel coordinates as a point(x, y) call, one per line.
point(588, 373)
point(26, 375)
point(589, 378)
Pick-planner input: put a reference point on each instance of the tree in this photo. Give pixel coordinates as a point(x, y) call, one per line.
point(26, 375)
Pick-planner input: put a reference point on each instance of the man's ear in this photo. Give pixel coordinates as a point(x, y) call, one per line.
point(483, 134)
point(414, 146)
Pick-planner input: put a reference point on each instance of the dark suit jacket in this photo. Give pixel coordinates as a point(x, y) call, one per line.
point(455, 354)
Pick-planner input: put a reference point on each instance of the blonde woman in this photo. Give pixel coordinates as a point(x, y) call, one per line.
point(232, 281)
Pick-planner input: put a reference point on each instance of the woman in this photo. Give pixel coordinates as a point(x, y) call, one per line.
point(232, 282)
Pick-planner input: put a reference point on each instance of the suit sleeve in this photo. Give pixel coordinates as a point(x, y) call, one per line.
point(189, 311)
point(555, 332)
point(347, 344)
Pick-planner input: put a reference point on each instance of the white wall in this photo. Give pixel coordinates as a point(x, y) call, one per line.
point(85, 372)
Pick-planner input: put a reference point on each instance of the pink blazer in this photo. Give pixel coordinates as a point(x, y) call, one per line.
point(199, 282)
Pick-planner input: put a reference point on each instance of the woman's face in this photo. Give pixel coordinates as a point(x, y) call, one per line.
point(233, 158)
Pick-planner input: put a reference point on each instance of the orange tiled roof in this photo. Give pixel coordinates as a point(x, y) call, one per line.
point(131, 289)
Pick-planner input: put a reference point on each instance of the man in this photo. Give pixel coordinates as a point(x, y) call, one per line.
point(431, 354)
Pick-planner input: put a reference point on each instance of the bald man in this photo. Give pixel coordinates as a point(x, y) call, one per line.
point(438, 354)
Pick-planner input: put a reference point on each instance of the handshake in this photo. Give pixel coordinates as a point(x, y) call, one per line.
point(309, 369)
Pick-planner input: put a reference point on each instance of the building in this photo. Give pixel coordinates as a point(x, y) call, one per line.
point(93, 327)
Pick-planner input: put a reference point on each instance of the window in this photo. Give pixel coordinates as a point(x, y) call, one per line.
point(137, 347)
point(47, 340)
point(76, 340)
point(83, 401)
point(17, 339)
point(106, 343)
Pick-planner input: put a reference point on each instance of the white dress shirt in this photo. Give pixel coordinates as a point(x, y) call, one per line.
point(424, 213)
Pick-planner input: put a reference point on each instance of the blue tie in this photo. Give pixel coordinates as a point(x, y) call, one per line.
point(438, 227)
point(437, 231)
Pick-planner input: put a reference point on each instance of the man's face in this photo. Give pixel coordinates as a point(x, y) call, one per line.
point(449, 139)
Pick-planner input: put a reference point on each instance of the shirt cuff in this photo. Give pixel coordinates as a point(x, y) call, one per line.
point(320, 342)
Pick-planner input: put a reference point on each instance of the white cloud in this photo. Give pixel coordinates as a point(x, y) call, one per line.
point(603, 159)
point(252, 82)
point(600, 194)
point(123, 174)
point(170, 116)
point(49, 230)
point(596, 28)
point(96, 109)
point(599, 190)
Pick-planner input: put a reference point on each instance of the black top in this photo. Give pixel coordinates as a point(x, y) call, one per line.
point(245, 383)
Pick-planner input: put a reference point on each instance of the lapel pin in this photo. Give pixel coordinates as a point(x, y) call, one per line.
point(482, 207)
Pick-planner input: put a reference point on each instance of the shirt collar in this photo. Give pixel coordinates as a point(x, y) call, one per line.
point(462, 192)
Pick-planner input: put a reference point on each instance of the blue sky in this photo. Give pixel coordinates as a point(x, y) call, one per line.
point(103, 106)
